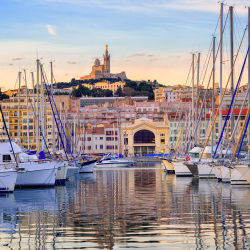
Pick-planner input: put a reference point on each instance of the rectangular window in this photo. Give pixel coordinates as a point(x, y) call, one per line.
point(108, 132)
point(101, 146)
point(101, 138)
point(89, 147)
point(6, 158)
point(125, 141)
point(162, 140)
point(89, 138)
point(95, 146)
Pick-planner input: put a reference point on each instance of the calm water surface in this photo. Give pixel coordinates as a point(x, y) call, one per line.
point(140, 207)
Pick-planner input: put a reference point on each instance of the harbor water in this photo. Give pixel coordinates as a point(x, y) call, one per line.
point(127, 208)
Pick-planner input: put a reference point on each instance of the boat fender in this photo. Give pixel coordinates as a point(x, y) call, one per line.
point(187, 158)
point(21, 169)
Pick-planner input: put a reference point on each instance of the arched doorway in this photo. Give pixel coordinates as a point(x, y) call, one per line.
point(146, 137)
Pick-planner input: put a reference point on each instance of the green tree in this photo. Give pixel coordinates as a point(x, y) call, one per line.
point(80, 91)
point(131, 84)
point(119, 92)
point(3, 96)
point(108, 93)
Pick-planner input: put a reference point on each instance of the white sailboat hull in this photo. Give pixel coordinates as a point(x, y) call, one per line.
point(113, 163)
point(205, 171)
point(7, 180)
point(61, 173)
point(226, 174)
point(244, 172)
point(217, 171)
point(87, 168)
point(36, 174)
point(71, 170)
point(181, 169)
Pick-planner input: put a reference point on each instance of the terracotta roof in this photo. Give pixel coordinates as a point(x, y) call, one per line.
point(96, 131)
point(236, 111)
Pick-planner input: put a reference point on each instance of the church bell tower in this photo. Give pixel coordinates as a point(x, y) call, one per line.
point(106, 58)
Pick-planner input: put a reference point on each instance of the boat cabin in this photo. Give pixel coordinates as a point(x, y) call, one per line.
point(195, 152)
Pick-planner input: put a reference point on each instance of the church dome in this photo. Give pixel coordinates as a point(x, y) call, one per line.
point(97, 62)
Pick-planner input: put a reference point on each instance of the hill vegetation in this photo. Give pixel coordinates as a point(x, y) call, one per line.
point(131, 88)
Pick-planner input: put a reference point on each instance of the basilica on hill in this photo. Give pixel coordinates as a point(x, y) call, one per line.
point(103, 70)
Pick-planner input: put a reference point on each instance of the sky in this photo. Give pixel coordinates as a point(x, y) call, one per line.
point(149, 40)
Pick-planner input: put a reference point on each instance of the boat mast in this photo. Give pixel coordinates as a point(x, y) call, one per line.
point(37, 110)
point(232, 62)
point(42, 107)
point(221, 61)
point(60, 127)
point(193, 117)
point(248, 78)
point(34, 105)
point(74, 135)
point(212, 139)
point(27, 110)
point(19, 88)
point(53, 122)
point(114, 137)
point(197, 97)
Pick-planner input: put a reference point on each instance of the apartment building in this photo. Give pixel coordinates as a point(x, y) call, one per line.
point(23, 125)
point(227, 132)
point(103, 139)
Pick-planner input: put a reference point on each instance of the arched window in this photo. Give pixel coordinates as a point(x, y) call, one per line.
point(144, 136)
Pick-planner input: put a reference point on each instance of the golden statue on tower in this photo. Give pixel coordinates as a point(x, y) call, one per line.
point(106, 47)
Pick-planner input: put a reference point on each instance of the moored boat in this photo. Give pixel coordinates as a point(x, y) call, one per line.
point(86, 166)
point(181, 169)
point(168, 166)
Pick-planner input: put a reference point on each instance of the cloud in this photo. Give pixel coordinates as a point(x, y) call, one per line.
point(153, 60)
point(150, 55)
point(11, 64)
point(73, 63)
point(136, 55)
point(17, 59)
point(66, 74)
point(174, 57)
point(128, 60)
point(51, 30)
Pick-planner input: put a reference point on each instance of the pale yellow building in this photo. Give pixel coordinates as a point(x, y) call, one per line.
point(109, 85)
point(26, 121)
point(159, 94)
point(144, 136)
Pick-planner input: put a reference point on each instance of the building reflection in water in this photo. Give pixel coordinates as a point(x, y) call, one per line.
point(127, 208)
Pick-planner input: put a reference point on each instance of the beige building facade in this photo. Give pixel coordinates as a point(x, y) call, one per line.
point(110, 85)
point(144, 136)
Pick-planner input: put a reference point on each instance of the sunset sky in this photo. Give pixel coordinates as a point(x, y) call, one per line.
point(147, 39)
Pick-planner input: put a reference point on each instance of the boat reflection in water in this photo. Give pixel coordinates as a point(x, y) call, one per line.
point(127, 208)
